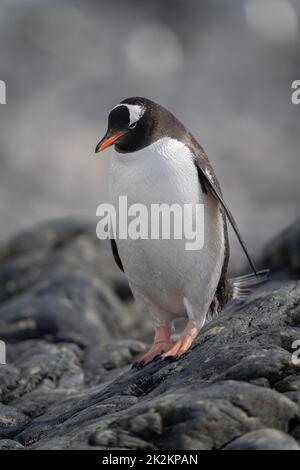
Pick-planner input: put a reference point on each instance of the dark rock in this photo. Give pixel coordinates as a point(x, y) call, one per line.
point(9, 444)
point(264, 439)
point(52, 250)
point(9, 379)
point(50, 275)
point(68, 381)
point(12, 421)
point(54, 309)
point(282, 254)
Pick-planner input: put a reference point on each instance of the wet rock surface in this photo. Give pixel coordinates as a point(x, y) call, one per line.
point(71, 338)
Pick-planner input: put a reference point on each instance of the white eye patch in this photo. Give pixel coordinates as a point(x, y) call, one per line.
point(136, 111)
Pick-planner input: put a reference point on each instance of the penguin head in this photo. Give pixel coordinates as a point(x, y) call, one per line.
point(131, 125)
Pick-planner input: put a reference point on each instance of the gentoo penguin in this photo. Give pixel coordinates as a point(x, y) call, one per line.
point(156, 160)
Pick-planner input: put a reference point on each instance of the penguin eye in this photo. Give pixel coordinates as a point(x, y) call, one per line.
point(133, 125)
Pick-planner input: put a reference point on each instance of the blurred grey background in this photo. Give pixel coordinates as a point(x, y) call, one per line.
point(225, 68)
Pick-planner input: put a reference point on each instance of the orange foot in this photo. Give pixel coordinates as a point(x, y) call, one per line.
point(162, 343)
point(184, 343)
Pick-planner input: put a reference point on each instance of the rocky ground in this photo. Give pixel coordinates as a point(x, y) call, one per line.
point(72, 332)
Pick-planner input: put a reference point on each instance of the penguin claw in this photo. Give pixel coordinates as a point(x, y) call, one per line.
point(169, 358)
point(156, 358)
point(152, 355)
point(141, 364)
point(138, 365)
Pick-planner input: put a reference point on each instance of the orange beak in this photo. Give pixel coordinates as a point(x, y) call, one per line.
point(108, 141)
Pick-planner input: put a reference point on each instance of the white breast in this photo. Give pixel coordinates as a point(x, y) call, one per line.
point(165, 172)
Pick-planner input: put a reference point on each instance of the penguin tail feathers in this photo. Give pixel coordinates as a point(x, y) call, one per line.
point(243, 286)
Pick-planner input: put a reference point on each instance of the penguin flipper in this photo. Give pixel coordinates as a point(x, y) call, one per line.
point(207, 175)
point(116, 255)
